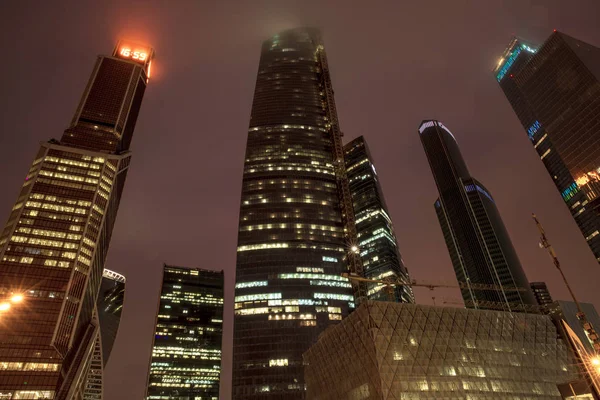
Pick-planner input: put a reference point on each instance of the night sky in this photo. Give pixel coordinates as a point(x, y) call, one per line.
point(392, 65)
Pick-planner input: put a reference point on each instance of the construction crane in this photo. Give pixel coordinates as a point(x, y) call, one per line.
point(587, 326)
point(353, 258)
point(392, 281)
point(494, 305)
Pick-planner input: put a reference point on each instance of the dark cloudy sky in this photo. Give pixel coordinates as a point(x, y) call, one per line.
point(393, 64)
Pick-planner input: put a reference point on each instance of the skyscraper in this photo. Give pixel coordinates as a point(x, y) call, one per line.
point(186, 353)
point(296, 232)
point(53, 247)
point(541, 293)
point(479, 245)
point(108, 315)
point(376, 239)
point(555, 92)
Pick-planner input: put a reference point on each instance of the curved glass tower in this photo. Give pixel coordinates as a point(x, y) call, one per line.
point(291, 246)
point(479, 245)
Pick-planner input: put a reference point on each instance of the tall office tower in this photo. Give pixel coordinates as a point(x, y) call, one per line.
point(376, 239)
point(479, 245)
point(295, 212)
point(555, 92)
point(186, 353)
point(541, 293)
point(108, 311)
point(53, 247)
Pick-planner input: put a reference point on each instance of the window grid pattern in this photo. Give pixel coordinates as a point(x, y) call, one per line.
point(376, 239)
point(186, 353)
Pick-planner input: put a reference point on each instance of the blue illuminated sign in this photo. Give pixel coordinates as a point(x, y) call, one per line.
point(533, 129)
point(508, 63)
point(471, 188)
point(569, 192)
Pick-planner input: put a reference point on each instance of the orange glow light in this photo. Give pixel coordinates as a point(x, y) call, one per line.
point(4, 306)
point(149, 67)
point(582, 180)
point(17, 298)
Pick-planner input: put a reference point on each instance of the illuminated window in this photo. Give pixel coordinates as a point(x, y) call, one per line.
point(242, 285)
point(283, 362)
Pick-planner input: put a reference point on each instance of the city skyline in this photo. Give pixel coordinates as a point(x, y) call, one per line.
point(385, 108)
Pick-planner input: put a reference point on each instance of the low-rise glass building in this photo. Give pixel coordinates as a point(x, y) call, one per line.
point(387, 350)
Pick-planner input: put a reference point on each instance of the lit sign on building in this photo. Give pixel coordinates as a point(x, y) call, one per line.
point(508, 63)
point(569, 192)
point(136, 53)
point(133, 52)
point(472, 188)
point(533, 129)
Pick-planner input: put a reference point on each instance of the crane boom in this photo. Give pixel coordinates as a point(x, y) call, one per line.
point(398, 281)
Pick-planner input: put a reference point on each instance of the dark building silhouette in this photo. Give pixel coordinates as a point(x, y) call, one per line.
point(541, 293)
point(555, 93)
point(291, 242)
point(479, 245)
point(186, 352)
point(376, 239)
point(53, 247)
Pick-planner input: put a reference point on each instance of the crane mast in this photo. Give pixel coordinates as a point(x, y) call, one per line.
point(587, 326)
point(353, 258)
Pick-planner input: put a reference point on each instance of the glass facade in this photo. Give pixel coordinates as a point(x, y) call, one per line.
point(388, 350)
point(479, 245)
point(291, 245)
point(108, 315)
point(53, 247)
point(186, 353)
point(376, 239)
point(555, 93)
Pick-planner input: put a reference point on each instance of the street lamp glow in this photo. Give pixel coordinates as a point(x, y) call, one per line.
point(596, 361)
point(17, 298)
point(4, 306)
point(354, 249)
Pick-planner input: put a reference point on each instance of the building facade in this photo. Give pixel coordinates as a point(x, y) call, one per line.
point(541, 293)
point(53, 247)
point(479, 245)
point(108, 315)
point(386, 351)
point(292, 247)
point(186, 352)
point(555, 93)
point(376, 239)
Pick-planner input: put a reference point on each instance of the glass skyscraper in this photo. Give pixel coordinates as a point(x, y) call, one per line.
point(186, 353)
point(294, 237)
point(108, 314)
point(53, 247)
point(555, 92)
point(376, 239)
point(479, 245)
